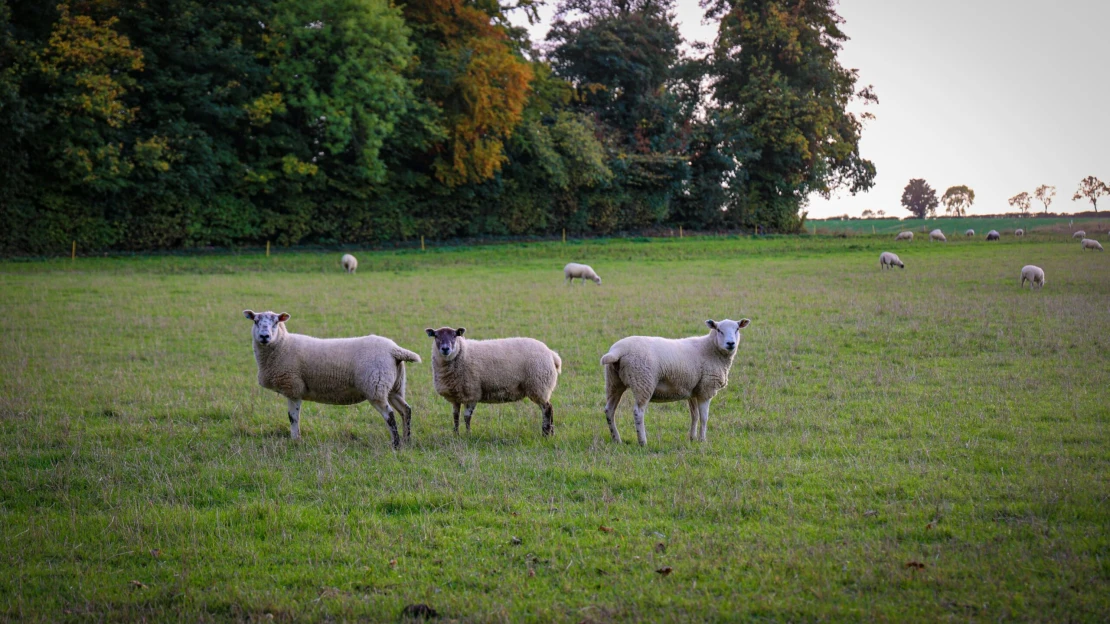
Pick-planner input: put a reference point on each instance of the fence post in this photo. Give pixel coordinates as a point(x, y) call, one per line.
point(680, 231)
point(421, 242)
point(73, 251)
point(564, 236)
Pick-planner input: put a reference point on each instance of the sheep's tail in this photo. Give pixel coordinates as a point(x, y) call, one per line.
point(558, 362)
point(404, 355)
point(610, 358)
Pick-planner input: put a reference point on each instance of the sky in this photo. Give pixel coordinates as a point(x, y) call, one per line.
point(1000, 95)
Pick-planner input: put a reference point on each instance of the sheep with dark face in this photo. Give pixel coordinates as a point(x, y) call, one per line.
point(1019, 232)
point(661, 370)
point(468, 372)
point(350, 264)
point(993, 235)
point(969, 233)
point(337, 371)
point(889, 260)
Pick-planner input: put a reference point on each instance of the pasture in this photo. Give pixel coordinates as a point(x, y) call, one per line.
point(919, 444)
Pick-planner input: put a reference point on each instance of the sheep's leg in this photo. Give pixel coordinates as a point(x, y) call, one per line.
point(611, 404)
point(468, 413)
point(703, 408)
point(398, 403)
point(693, 405)
point(455, 415)
point(387, 413)
point(548, 416)
point(294, 418)
point(638, 417)
point(568, 280)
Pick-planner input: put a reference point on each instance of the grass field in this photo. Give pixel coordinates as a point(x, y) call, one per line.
point(937, 416)
point(956, 227)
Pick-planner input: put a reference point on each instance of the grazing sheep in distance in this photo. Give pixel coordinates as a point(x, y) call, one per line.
point(660, 370)
point(969, 233)
point(582, 271)
point(904, 236)
point(993, 235)
point(1090, 243)
point(1019, 232)
point(350, 264)
point(336, 371)
point(1034, 274)
point(1079, 234)
point(937, 235)
point(468, 372)
point(888, 260)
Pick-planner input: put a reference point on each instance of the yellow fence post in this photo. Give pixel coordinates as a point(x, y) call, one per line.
point(680, 231)
point(267, 249)
point(564, 235)
point(73, 252)
point(421, 242)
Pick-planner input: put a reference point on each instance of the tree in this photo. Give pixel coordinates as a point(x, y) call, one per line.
point(881, 214)
point(775, 71)
point(1021, 201)
point(867, 214)
point(1091, 188)
point(1045, 193)
point(920, 198)
point(957, 199)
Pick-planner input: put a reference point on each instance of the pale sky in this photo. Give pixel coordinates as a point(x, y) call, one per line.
point(1000, 95)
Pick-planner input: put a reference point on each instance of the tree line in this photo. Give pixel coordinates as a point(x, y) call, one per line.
point(160, 124)
point(921, 200)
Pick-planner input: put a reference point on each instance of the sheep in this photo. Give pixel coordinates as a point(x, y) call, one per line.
point(583, 271)
point(1019, 232)
point(1034, 274)
point(468, 372)
point(890, 260)
point(969, 233)
point(1090, 243)
point(937, 235)
point(337, 371)
point(349, 263)
point(904, 236)
point(993, 235)
point(661, 370)
point(1079, 234)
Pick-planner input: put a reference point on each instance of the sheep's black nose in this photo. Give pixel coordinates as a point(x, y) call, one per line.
point(730, 345)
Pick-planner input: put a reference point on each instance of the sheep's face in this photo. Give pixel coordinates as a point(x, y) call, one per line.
point(266, 325)
point(597, 280)
point(447, 343)
point(726, 333)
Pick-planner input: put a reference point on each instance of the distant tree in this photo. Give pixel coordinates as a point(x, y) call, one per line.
point(881, 213)
point(957, 199)
point(1045, 193)
point(1091, 188)
point(920, 198)
point(1021, 201)
point(868, 214)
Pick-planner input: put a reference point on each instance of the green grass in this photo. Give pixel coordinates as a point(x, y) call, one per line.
point(937, 415)
point(956, 227)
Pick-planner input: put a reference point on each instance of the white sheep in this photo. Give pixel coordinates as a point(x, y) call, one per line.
point(993, 235)
point(904, 236)
point(1034, 274)
point(468, 372)
point(349, 263)
point(969, 233)
point(937, 235)
point(661, 370)
point(1019, 232)
point(337, 371)
point(1090, 243)
point(582, 271)
point(1079, 234)
point(889, 260)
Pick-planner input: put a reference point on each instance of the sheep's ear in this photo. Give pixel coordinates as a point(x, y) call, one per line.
point(249, 314)
point(744, 323)
point(283, 317)
point(711, 324)
point(431, 332)
point(460, 331)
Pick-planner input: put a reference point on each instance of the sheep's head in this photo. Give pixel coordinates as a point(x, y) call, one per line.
point(597, 280)
point(447, 344)
point(901, 265)
point(267, 325)
point(727, 333)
